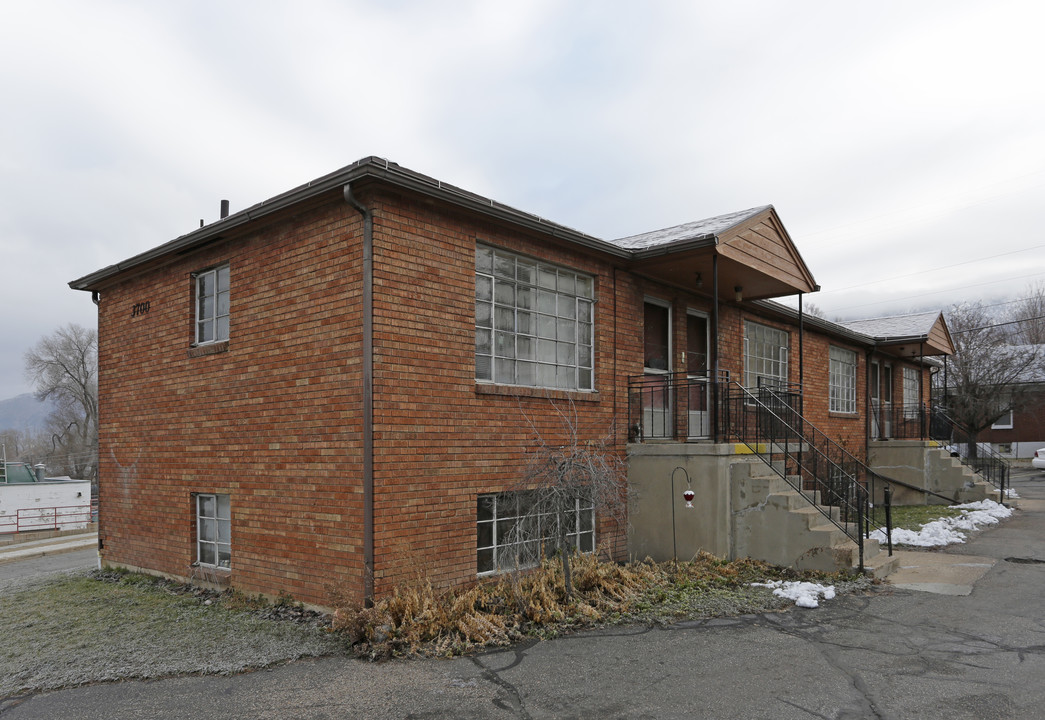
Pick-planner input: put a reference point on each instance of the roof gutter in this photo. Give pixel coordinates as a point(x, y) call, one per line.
point(368, 168)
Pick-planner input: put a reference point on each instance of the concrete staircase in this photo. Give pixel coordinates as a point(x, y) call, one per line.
point(954, 479)
point(775, 523)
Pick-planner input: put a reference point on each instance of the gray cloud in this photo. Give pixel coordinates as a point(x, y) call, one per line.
point(893, 138)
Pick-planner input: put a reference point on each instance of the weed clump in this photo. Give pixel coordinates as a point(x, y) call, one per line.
point(418, 619)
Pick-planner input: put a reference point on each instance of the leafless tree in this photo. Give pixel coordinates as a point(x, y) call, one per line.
point(568, 485)
point(986, 376)
point(63, 368)
point(1028, 316)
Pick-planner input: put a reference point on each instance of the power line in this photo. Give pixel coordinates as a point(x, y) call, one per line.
point(1001, 324)
point(929, 270)
point(936, 292)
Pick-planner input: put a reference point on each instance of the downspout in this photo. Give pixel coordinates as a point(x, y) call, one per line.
point(96, 298)
point(368, 396)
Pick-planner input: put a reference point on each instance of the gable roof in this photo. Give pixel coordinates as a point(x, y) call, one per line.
point(699, 230)
point(755, 251)
point(909, 335)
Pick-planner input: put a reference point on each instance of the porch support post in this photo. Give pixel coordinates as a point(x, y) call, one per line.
point(715, 380)
point(801, 356)
point(714, 311)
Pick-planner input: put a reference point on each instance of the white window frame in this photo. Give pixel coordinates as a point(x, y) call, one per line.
point(841, 380)
point(1004, 421)
point(912, 401)
point(765, 350)
point(498, 551)
point(534, 322)
point(214, 530)
point(211, 301)
point(671, 339)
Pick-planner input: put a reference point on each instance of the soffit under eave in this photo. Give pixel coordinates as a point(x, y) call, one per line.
point(683, 268)
point(913, 348)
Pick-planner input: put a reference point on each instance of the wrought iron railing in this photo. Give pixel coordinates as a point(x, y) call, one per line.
point(672, 406)
point(918, 422)
point(980, 457)
point(769, 421)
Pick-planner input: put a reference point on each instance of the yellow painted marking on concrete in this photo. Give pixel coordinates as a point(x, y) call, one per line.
point(742, 449)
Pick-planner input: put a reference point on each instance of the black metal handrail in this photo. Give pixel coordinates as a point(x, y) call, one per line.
point(841, 487)
point(981, 458)
point(918, 422)
point(672, 406)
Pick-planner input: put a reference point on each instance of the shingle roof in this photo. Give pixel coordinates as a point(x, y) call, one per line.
point(897, 326)
point(688, 231)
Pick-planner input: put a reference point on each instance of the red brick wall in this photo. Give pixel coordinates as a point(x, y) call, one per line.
point(441, 439)
point(274, 421)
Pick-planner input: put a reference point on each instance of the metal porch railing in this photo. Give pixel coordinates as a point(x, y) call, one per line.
point(768, 420)
point(917, 422)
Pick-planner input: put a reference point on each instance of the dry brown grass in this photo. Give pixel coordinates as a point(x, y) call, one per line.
point(416, 619)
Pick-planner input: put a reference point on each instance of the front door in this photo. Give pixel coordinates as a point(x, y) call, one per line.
point(697, 374)
point(657, 420)
point(875, 392)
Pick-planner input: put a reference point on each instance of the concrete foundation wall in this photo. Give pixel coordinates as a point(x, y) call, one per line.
point(922, 464)
point(661, 526)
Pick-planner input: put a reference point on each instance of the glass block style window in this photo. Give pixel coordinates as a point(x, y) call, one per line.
point(842, 381)
point(213, 530)
point(911, 400)
point(765, 354)
point(212, 305)
point(533, 322)
point(510, 534)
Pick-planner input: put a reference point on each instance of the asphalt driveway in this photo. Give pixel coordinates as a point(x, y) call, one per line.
point(899, 653)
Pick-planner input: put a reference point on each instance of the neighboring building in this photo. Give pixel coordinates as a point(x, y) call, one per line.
point(29, 501)
point(337, 385)
point(1021, 431)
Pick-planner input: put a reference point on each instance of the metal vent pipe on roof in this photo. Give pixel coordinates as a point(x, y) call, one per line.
point(224, 209)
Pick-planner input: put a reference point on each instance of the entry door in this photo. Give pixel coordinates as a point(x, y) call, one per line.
point(887, 401)
point(876, 401)
point(697, 374)
point(656, 400)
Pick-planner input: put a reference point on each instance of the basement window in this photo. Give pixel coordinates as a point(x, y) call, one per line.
point(214, 530)
point(511, 534)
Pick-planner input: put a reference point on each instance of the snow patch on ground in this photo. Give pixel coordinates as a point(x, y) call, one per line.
point(804, 594)
point(949, 530)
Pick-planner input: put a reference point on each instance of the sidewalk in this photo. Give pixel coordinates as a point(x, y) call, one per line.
point(32, 547)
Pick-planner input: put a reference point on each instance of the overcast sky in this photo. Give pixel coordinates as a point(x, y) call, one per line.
point(894, 138)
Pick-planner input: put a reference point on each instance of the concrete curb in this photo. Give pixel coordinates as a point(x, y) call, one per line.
point(50, 546)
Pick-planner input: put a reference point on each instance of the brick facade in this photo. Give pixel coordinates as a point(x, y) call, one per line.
point(273, 417)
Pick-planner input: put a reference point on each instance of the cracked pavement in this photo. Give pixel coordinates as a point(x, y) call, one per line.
point(898, 653)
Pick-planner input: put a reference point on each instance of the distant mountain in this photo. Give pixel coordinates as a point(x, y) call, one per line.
point(23, 412)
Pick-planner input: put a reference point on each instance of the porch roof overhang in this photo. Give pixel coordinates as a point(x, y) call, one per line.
point(908, 336)
point(754, 253)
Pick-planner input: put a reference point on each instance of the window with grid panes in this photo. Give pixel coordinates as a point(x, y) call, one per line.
point(213, 530)
point(765, 354)
point(533, 322)
point(842, 380)
point(911, 400)
point(212, 305)
point(509, 534)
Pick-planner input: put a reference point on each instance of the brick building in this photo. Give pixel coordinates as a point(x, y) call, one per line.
point(334, 385)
